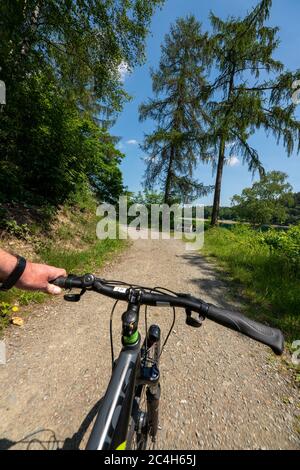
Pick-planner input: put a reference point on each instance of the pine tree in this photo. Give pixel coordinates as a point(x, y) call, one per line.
point(174, 147)
point(251, 91)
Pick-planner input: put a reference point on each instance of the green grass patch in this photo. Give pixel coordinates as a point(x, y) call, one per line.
point(70, 243)
point(90, 259)
point(264, 269)
point(78, 262)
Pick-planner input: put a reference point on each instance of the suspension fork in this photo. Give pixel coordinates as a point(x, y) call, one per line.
point(149, 367)
point(150, 372)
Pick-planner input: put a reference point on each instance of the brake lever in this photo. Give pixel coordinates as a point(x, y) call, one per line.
point(74, 297)
point(191, 320)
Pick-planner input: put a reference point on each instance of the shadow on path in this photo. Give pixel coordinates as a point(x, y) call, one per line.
point(45, 439)
point(208, 282)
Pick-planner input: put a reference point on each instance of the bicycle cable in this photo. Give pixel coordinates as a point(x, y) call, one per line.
point(158, 289)
point(111, 334)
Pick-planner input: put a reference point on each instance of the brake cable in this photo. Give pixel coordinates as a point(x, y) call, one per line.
point(160, 290)
point(111, 335)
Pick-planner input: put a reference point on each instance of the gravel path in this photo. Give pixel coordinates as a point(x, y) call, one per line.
point(219, 390)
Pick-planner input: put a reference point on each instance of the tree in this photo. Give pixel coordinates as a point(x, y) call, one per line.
point(267, 201)
point(53, 148)
point(85, 43)
point(251, 91)
point(174, 147)
point(294, 210)
point(61, 65)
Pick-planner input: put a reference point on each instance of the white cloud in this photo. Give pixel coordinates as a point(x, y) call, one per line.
point(229, 145)
point(132, 142)
point(233, 161)
point(123, 70)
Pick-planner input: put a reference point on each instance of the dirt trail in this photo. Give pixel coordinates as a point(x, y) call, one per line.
point(219, 389)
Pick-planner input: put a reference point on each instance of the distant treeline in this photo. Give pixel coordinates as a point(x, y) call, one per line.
point(226, 213)
point(278, 206)
point(231, 213)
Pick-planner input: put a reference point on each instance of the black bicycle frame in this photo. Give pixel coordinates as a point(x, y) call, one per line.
point(111, 425)
point(129, 372)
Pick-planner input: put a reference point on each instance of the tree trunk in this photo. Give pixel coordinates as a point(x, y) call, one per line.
point(216, 206)
point(217, 195)
point(169, 177)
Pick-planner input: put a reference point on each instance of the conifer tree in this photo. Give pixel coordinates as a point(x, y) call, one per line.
point(173, 148)
point(252, 90)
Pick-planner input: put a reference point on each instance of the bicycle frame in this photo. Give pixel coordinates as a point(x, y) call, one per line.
point(111, 425)
point(131, 371)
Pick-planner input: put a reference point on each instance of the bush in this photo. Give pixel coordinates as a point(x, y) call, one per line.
point(286, 244)
point(264, 267)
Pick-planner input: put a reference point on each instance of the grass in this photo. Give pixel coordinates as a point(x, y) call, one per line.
point(268, 279)
point(87, 260)
point(70, 243)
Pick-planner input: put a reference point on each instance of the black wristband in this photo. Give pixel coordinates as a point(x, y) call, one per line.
point(15, 275)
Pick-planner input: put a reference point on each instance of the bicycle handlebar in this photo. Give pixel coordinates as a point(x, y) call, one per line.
point(271, 337)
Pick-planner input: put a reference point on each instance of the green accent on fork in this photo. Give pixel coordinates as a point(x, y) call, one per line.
point(131, 339)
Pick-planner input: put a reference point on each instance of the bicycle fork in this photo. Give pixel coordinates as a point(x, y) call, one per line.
point(150, 374)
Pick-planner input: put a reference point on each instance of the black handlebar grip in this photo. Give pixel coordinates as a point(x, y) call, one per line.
point(236, 321)
point(59, 281)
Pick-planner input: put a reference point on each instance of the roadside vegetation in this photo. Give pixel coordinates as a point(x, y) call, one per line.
point(264, 268)
point(62, 66)
point(66, 240)
point(212, 91)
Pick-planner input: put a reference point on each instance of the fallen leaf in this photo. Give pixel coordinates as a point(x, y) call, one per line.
point(17, 321)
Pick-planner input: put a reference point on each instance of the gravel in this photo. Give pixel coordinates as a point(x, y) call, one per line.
point(219, 390)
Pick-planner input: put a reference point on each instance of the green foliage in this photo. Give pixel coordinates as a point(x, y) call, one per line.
point(18, 231)
point(294, 210)
point(146, 198)
point(265, 268)
point(83, 42)
point(88, 260)
point(173, 148)
point(6, 311)
point(287, 244)
point(225, 213)
point(52, 148)
point(69, 242)
point(266, 201)
point(74, 244)
point(61, 62)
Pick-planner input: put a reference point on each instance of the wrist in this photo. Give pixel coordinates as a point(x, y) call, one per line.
point(27, 274)
point(7, 265)
point(12, 278)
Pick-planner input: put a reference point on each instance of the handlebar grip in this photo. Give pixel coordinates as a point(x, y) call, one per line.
point(59, 281)
point(271, 337)
point(68, 282)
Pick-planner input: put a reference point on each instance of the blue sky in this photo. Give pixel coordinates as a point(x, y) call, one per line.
point(286, 15)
